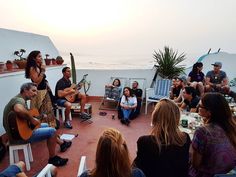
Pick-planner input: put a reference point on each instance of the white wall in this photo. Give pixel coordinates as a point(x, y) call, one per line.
point(11, 41)
point(228, 63)
point(99, 78)
point(10, 86)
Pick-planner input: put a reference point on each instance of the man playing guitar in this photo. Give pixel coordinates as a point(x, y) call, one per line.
point(17, 106)
point(63, 90)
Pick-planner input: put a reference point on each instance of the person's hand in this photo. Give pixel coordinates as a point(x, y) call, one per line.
point(218, 85)
point(35, 121)
point(43, 68)
point(72, 91)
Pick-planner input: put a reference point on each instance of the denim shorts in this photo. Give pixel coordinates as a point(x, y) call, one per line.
point(42, 133)
point(11, 171)
point(61, 102)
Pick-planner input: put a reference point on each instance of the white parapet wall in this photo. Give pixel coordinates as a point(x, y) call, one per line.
point(99, 78)
point(11, 40)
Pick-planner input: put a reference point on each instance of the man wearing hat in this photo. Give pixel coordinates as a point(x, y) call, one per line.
point(217, 81)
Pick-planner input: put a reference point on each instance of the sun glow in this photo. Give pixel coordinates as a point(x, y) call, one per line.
point(77, 15)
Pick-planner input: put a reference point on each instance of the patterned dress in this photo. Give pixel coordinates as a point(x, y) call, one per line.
point(218, 154)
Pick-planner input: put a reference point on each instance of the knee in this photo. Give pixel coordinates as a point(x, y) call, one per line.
point(21, 165)
point(68, 105)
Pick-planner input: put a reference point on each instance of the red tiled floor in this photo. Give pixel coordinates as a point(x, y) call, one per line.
point(86, 142)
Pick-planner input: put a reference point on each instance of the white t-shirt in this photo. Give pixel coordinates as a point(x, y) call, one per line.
point(130, 102)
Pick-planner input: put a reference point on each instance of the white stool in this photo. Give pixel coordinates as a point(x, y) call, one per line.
point(14, 157)
point(62, 113)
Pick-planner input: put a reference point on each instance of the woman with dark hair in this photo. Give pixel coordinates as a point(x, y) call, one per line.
point(35, 70)
point(113, 90)
point(214, 144)
point(165, 152)
point(128, 104)
point(112, 157)
point(196, 78)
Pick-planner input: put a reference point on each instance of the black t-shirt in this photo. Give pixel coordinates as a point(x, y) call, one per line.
point(198, 77)
point(137, 92)
point(172, 161)
point(193, 103)
point(61, 85)
point(176, 91)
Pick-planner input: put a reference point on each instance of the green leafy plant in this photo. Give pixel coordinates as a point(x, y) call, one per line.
point(19, 54)
point(168, 63)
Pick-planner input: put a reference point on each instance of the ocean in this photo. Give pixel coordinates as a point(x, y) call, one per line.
point(114, 62)
point(110, 62)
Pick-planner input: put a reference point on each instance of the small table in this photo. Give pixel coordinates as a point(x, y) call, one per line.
point(75, 107)
point(193, 123)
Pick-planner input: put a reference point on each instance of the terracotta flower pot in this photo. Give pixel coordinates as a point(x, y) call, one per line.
point(9, 66)
point(20, 63)
point(47, 61)
point(54, 62)
point(59, 62)
point(2, 66)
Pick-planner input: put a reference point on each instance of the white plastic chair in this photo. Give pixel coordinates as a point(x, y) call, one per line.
point(14, 157)
point(46, 171)
point(82, 165)
point(161, 90)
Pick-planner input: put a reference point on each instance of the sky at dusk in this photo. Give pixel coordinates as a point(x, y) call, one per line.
point(126, 27)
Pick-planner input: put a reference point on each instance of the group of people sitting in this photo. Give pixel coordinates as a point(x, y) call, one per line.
point(129, 103)
point(187, 92)
point(167, 151)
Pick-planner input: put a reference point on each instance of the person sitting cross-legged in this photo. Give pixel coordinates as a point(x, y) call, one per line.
point(62, 90)
point(217, 81)
point(128, 104)
point(17, 107)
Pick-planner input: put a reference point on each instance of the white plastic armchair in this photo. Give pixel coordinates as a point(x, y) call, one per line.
point(161, 90)
point(46, 171)
point(82, 165)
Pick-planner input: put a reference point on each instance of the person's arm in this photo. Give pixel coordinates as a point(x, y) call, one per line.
point(208, 81)
point(135, 103)
point(196, 158)
point(122, 103)
point(63, 93)
point(198, 147)
point(188, 80)
point(35, 76)
point(183, 106)
point(225, 82)
point(23, 113)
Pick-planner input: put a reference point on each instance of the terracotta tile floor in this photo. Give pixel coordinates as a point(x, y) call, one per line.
point(86, 142)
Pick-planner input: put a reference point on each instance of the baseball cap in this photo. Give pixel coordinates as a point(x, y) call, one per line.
point(217, 64)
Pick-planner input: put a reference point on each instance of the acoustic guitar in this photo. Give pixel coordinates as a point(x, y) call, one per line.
point(22, 129)
point(72, 97)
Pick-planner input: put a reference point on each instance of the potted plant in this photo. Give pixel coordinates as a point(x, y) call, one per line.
point(47, 60)
point(9, 65)
point(59, 60)
point(20, 62)
point(168, 63)
point(2, 66)
point(54, 62)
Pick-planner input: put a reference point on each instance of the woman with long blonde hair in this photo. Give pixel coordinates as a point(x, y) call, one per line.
point(112, 157)
point(165, 152)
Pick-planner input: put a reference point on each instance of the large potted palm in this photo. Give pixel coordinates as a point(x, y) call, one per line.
point(168, 63)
